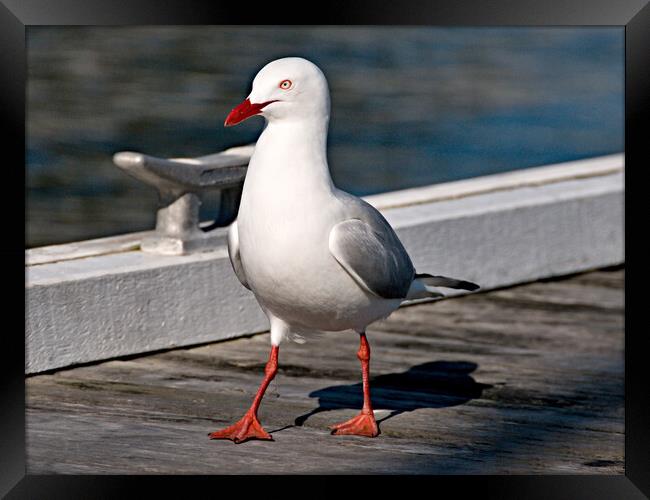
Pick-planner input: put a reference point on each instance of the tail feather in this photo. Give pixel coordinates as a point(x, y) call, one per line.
point(423, 286)
point(419, 290)
point(446, 282)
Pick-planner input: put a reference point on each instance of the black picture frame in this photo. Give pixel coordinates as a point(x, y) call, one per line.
point(15, 15)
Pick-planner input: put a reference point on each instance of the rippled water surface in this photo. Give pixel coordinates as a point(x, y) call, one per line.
point(410, 106)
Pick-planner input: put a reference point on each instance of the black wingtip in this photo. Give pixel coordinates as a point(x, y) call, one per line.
point(444, 281)
point(468, 285)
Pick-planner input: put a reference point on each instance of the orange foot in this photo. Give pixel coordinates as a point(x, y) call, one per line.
point(248, 427)
point(363, 424)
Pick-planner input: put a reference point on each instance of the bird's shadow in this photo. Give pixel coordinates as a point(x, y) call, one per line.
point(436, 384)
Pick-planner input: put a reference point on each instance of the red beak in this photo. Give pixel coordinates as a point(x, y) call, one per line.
point(245, 110)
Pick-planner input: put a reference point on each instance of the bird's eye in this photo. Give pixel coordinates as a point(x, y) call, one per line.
point(285, 84)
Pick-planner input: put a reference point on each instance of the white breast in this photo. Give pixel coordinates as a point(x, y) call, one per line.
point(284, 225)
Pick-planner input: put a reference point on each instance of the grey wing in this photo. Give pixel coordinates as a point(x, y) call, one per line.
point(233, 253)
point(373, 256)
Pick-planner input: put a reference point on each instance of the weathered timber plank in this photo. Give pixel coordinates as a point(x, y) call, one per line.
point(521, 380)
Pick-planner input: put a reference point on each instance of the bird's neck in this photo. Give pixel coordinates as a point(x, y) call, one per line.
point(294, 151)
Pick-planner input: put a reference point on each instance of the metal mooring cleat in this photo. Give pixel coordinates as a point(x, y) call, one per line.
point(180, 183)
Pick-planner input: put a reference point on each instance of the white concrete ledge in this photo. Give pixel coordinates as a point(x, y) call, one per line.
point(529, 177)
point(495, 230)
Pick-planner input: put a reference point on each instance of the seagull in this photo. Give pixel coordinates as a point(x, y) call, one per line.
point(315, 257)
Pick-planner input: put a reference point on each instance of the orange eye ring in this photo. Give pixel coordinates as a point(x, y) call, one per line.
point(285, 84)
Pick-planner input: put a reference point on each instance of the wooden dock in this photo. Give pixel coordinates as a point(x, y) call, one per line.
point(527, 379)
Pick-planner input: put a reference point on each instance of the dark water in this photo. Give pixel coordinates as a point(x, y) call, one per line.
point(410, 106)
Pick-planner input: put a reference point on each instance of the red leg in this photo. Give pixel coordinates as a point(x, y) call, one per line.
point(363, 424)
point(249, 426)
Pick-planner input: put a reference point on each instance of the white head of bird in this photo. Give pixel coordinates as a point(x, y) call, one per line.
point(288, 89)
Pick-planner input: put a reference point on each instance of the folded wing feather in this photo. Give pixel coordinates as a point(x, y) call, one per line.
point(374, 257)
